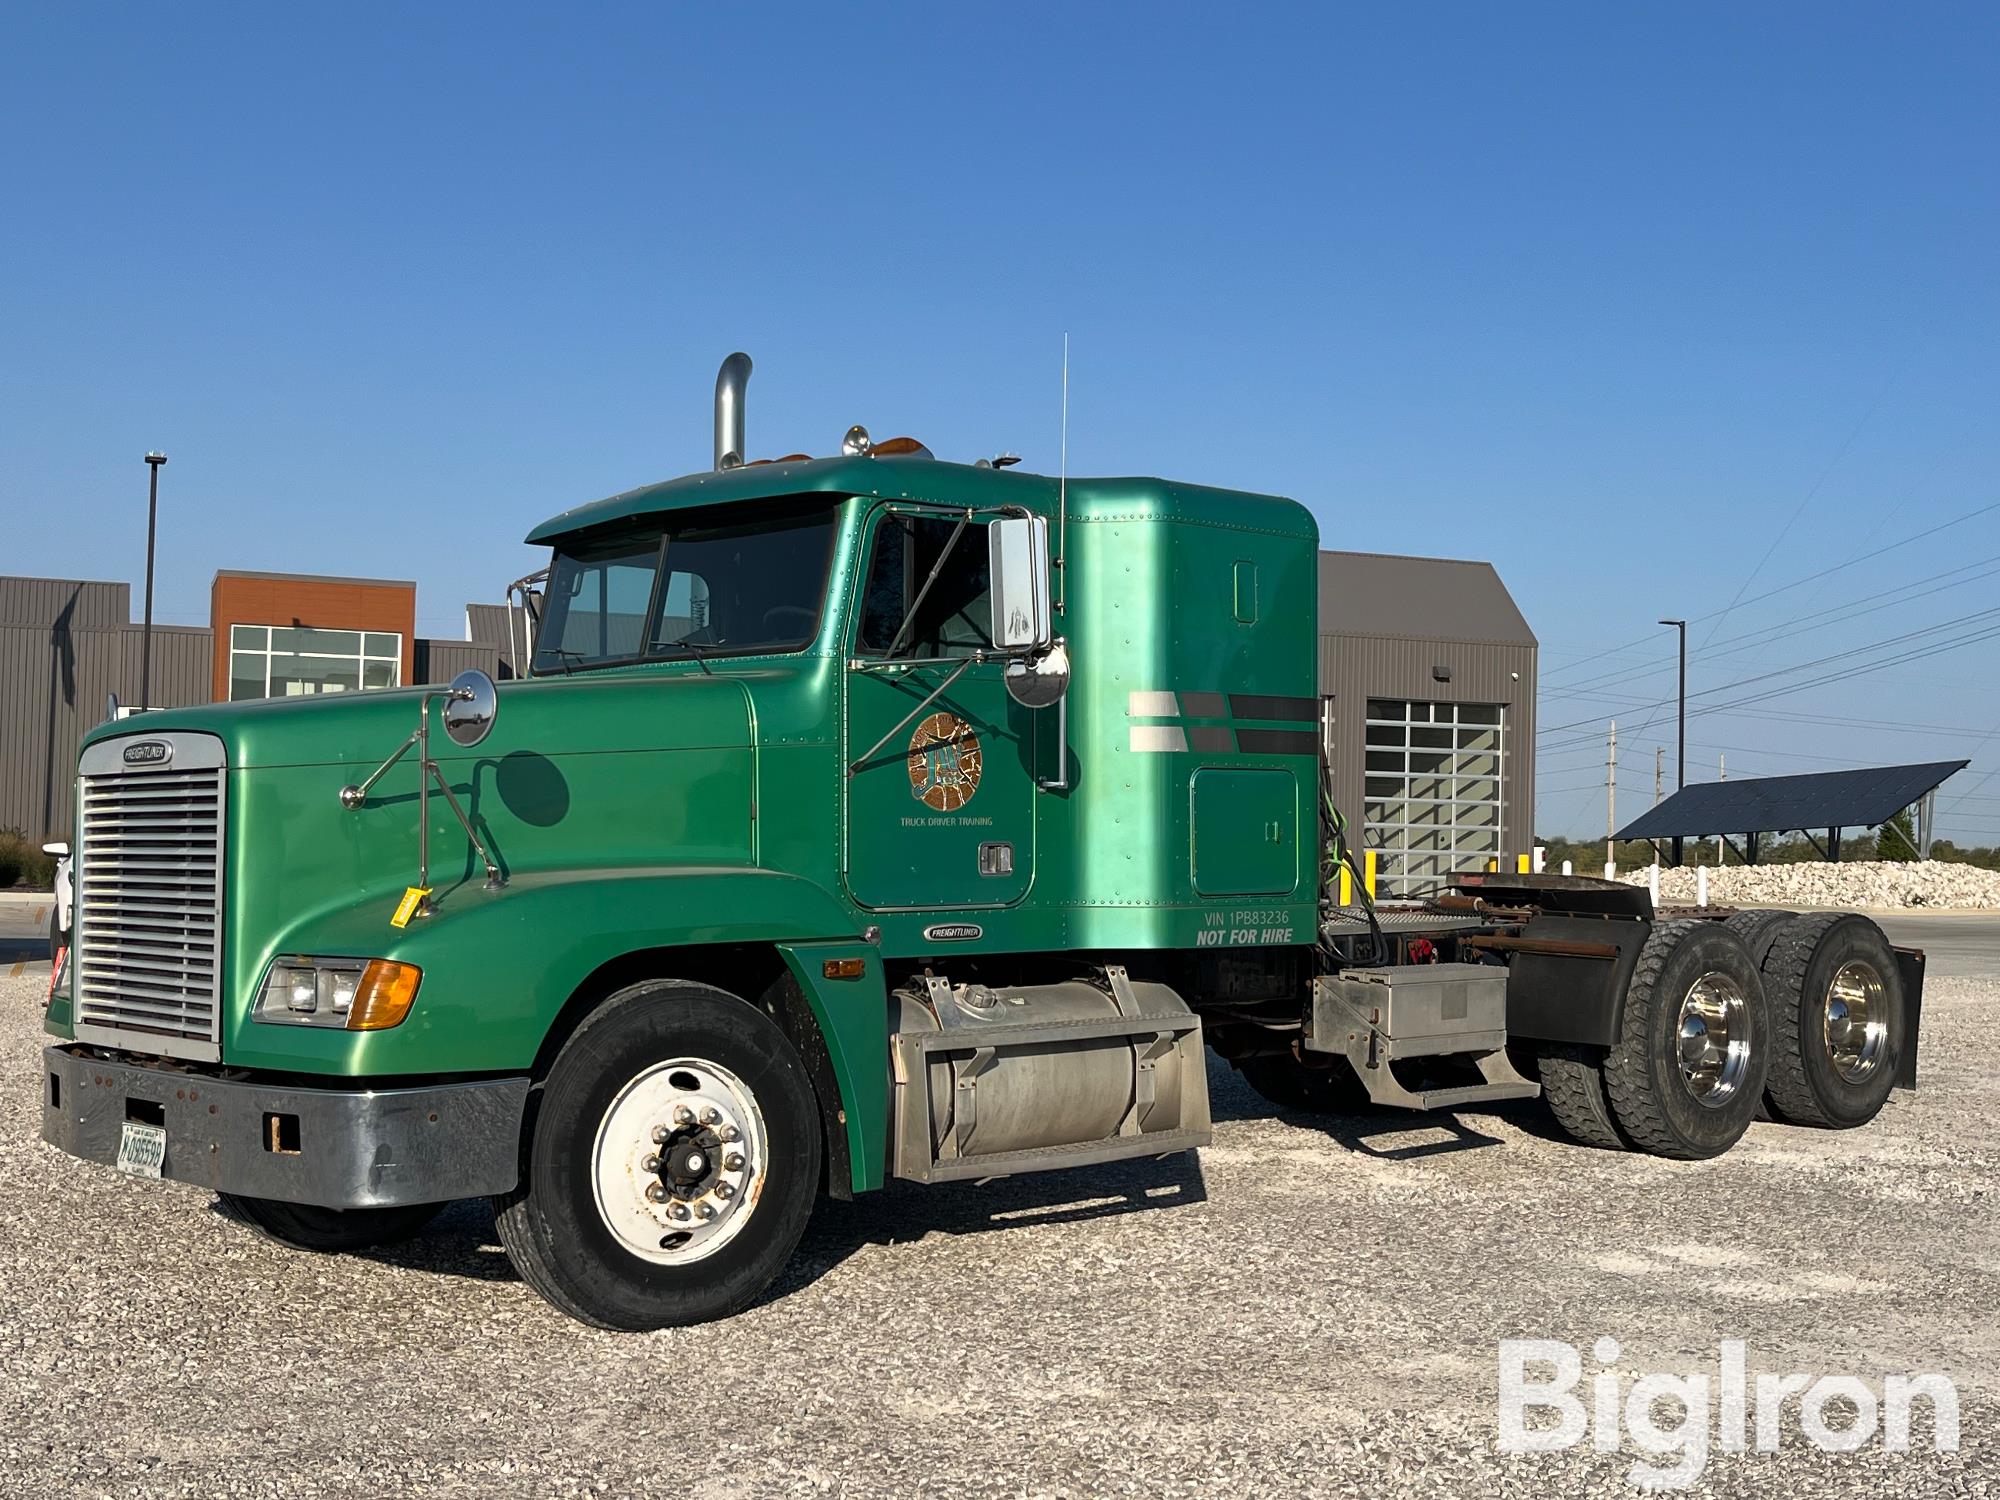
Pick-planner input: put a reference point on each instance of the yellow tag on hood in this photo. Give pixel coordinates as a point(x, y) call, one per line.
point(413, 898)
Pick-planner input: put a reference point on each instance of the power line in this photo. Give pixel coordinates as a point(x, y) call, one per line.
point(1821, 661)
point(1800, 509)
point(1971, 638)
point(1784, 629)
point(1644, 640)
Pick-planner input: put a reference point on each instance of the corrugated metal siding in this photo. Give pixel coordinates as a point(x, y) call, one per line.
point(79, 604)
point(53, 688)
point(489, 624)
point(1417, 598)
point(440, 661)
point(1355, 668)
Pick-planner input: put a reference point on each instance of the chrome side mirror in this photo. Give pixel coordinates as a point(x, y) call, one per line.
point(1038, 681)
point(470, 709)
point(57, 847)
point(1018, 562)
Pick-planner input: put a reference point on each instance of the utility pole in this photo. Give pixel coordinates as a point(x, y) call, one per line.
point(1681, 774)
point(153, 462)
point(1721, 774)
point(1611, 802)
point(1658, 751)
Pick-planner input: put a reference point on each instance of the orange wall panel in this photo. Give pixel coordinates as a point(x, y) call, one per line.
point(317, 603)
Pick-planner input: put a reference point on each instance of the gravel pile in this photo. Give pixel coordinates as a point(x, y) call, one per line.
point(1871, 884)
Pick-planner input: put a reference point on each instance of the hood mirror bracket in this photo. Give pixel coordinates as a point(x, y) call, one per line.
point(463, 689)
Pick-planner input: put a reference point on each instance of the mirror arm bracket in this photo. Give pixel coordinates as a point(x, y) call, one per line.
point(494, 879)
point(354, 796)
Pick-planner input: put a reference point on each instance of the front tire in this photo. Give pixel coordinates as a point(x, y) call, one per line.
point(1686, 1076)
point(301, 1226)
point(671, 1161)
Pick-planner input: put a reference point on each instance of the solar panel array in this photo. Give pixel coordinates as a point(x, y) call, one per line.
point(1777, 804)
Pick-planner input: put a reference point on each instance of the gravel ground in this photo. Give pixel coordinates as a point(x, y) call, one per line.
point(1311, 1308)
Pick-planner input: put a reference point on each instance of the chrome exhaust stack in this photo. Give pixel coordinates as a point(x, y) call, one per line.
point(730, 382)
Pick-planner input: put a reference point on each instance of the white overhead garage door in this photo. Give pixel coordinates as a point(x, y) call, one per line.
point(1434, 774)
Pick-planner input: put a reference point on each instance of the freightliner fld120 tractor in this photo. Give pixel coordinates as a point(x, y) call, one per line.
point(849, 819)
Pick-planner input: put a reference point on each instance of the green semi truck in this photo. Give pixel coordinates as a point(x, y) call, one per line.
point(849, 819)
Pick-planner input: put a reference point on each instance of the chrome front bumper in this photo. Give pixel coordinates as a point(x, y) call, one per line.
point(333, 1148)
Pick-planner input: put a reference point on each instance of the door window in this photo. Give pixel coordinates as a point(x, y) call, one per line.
point(955, 615)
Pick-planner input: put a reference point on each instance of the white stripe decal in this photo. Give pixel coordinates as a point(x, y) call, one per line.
point(1158, 737)
point(1143, 705)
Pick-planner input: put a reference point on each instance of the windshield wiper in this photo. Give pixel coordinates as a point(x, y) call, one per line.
point(700, 658)
point(563, 658)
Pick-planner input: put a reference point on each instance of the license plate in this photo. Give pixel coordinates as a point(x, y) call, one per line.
point(142, 1149)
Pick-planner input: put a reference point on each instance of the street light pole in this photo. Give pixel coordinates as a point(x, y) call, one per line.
point(1681, 771)
point(153, 462)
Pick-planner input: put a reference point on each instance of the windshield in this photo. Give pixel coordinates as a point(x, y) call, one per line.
point(697, 586)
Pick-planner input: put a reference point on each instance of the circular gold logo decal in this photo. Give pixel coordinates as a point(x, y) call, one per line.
point(945, 762)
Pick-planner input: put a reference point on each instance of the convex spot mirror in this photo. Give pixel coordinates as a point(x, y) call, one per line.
point(1038, 681)
point(1018, 561)
point(470, 710)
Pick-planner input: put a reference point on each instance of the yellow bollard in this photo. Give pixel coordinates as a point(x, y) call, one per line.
point(1521, 864)
point(1346, 886)
point(1368, 872)
point(1492, 867)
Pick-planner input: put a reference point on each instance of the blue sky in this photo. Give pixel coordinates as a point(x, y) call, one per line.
point(1654, 306)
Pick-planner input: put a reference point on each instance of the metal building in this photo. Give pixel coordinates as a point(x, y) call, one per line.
point(68, 645)
point(1427, 686)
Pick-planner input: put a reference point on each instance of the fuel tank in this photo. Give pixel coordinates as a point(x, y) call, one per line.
point(991, 1081)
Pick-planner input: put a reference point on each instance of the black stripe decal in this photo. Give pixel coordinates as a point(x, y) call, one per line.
point(1210, 739)
point(1277, 741)
point(1204, 705)
point(1272, 706)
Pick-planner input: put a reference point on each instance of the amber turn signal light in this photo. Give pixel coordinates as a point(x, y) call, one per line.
point(384, 996)
point(844, 968)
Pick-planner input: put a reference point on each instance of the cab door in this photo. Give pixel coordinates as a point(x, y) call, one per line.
point(940, 783)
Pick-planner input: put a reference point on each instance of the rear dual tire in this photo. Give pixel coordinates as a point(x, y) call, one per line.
point(1684, 1078)
point(1834, 981)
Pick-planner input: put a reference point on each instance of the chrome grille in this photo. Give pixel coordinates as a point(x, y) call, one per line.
point(149, 895)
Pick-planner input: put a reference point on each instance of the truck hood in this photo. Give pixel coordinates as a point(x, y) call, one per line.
point(608, 713)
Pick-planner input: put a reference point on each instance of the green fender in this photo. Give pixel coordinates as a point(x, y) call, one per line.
point(498, 966)
point(853, 1017)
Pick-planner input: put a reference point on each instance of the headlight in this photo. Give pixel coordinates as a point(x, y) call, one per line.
point(351, 994)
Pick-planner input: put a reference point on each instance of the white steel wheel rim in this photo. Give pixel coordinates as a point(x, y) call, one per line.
point(1712, 1040)
point(679, 1161)
point(1854, 1024)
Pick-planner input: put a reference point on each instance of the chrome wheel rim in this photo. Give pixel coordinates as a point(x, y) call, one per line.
point(679, 1161)
point(1854, 1021)
point(1712, 1039)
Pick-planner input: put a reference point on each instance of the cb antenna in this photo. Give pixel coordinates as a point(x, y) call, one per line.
point(1062, 492)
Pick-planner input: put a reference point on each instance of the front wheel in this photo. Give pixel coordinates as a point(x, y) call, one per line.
point(301, 1226)
point(672, 1161)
